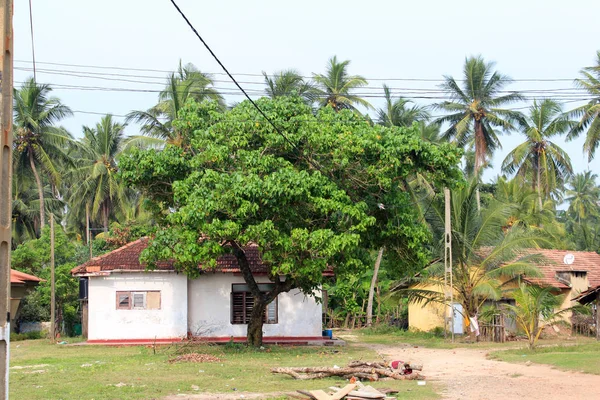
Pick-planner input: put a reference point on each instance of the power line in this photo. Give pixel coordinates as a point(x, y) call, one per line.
point(231, 76)
point(32, 41)
point(275, 75)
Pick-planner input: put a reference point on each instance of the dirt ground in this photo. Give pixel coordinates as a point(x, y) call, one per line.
point(468, 374)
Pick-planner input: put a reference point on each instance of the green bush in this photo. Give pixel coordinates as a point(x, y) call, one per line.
point(15, 337)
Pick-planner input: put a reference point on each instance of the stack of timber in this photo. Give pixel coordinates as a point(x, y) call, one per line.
point(371, 371)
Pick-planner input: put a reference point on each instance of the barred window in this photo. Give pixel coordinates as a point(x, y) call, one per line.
point(242, 303)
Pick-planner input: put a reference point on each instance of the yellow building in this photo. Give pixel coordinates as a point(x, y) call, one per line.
point(571, 272)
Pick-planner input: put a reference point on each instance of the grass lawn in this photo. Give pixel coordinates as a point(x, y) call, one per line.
point(582, 358)
point(40, 370)
point(393, 336)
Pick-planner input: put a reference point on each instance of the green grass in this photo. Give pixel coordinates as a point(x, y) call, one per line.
point(582, 358)
point(91, 372)
point(392, 336)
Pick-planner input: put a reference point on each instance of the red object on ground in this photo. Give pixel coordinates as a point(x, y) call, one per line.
point(396, 364)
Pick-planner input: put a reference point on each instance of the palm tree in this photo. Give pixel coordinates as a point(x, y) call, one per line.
point(335, 86)
point(536, 308)
point(398, 113)
point(583, 196)
point(485, 255)
point(99, 187)
point(538, 158)
point(186, 83)
point(475, 109)
point(39, 144)
point(589, 114)
point(287, 83)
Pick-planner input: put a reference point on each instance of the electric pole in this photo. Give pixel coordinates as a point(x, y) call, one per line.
point(448, 284)
point(6, 139)
point(52, 288)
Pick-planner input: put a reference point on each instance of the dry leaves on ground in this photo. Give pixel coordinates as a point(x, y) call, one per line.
point(195, 358)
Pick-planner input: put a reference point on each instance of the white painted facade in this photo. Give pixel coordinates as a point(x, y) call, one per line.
point(209, 310)
point(106, 322)
point(200, 306)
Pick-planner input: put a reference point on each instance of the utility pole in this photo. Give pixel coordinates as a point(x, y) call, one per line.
point(88, 234)
point(448, 284)
point(52, 288)
point(6, 139)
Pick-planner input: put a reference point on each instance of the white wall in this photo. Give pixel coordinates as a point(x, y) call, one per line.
point(209, 310)
point(108, 323)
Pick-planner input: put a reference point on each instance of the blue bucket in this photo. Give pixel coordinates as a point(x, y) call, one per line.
point(328, 333)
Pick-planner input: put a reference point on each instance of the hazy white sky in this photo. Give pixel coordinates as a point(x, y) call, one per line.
point(383, 39)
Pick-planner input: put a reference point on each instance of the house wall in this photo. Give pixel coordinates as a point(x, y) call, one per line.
point(209, 310)
point(579, 283)
point(426, 317)
point(108, 323)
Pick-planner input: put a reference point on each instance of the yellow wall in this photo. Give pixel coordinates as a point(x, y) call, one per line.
point(430, 316)
point(426, 317)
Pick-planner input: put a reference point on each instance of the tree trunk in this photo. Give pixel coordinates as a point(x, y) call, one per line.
point(539, 186)
point(40, 189)
point(480, 150)
point(255, 325)
point(372, 288)
point(105, 212)
point(254, 335)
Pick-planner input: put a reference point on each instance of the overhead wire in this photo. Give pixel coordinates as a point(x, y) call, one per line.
point(231, 76)
point(274, 75)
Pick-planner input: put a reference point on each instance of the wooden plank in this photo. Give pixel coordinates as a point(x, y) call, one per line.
point(320, 395)
point(306, 393)
point(343, 392)
point(366, 395)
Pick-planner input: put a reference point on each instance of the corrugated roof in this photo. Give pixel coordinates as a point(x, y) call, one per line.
point(585, 261)
point(128, 258)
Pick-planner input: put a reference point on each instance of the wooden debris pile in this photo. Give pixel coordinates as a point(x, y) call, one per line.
point(195, 358)
point(353, 391)
point(371, 371)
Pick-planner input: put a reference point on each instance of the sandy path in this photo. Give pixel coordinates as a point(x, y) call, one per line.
point(468, 374)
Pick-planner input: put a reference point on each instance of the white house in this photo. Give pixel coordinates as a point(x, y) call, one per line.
point(122, 302)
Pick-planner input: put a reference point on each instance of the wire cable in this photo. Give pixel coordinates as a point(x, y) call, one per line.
point(231, 76)
point(32, 41)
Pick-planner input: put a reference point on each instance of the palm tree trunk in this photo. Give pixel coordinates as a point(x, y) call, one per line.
point(372, 288)
point(105, 212)
point(480, 149)
point(40, 189)
point(539, 186)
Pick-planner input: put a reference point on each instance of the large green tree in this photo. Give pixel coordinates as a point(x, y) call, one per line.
point(323, 192)
point(537, 158)
point(475, 110)
point(39, 145)
point(589, 114)
point(335, 86)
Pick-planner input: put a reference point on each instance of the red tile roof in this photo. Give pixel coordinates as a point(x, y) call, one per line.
point(19, 277)
point(585, 261)
point(128, 258)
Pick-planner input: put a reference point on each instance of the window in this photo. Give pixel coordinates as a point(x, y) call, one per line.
point(138, 300)
point(242, 303)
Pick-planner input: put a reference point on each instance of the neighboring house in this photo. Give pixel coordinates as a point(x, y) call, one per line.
point(20, 285)
point(123, 302)
point(570, 272)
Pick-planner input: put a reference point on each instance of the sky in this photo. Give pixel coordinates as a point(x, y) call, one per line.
point(385, 40)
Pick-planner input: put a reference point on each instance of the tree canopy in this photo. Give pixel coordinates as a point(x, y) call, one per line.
point(322, 192)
